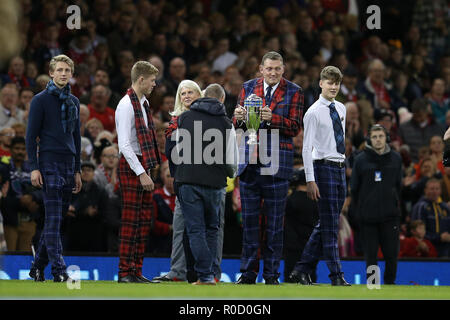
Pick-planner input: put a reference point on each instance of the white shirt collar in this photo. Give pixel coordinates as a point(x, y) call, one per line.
point(143, 99)
point(325, 101)
point(273, 88)
point(166, 192)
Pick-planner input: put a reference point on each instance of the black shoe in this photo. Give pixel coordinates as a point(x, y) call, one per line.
point(163, 278)
point(272, 281)
point(244, 280)
point(340, 281)
point(131, 278)
point(37, 275)
point(300, 278)
point(145, 280)
point(63, 277)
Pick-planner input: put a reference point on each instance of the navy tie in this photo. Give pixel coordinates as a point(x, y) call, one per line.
point(337, 128)
point(268, 96)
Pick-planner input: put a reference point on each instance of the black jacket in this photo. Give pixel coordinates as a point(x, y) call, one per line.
point(375, 185)
point(211, 114)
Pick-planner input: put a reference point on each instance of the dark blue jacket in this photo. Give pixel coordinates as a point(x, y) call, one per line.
point(44, 122)
point(375, 185)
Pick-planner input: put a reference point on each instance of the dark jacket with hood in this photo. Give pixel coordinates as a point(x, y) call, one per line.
point(375, 185)
point(208, 113)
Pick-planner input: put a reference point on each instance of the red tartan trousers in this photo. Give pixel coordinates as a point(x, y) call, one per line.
point(136, 217)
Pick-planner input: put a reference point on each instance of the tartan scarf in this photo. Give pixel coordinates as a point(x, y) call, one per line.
point(69, 112)
point(146, 135)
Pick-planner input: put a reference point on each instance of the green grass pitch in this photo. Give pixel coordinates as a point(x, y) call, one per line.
point(27, 289)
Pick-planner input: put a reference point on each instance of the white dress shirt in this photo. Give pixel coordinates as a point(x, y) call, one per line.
point(232, 154)
point(318, 140)
point(127, 137)
point(273, 89)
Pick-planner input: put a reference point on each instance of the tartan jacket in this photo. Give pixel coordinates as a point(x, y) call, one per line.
point(287, 111)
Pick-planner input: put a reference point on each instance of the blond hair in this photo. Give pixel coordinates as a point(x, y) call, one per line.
point(331, 73)
point(61, 58)
point(179, 108)
point(142, 69)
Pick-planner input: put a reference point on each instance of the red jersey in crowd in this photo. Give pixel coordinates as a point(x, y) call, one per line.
point(163, 205)
point(106, 117)
point(409, 248)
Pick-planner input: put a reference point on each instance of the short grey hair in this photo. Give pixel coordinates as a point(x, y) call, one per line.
point(215, 90)
point(272, 55)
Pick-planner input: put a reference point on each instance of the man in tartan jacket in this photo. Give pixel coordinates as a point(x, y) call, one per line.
point(281, 118)
point(138, 154)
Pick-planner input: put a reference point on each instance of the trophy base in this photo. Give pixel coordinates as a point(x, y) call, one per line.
point(252, 138)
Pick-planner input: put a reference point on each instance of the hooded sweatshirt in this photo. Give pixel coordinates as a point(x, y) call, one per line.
point(206, 148)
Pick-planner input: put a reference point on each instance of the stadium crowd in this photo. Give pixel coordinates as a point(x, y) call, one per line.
point(398, 76)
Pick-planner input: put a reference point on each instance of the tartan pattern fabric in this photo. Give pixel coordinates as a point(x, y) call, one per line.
point(146, 135)
point(253, 187)
point(287, 110)
point(286, 104)
point(58, 179)
point(137, 207)
point(69, 111)
point(173, 125)
point(337, 128)
point(323, 241)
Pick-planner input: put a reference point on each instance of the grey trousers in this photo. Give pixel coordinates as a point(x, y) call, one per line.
point(177, 258)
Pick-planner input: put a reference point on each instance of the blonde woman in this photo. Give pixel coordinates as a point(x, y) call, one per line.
point(188, 91)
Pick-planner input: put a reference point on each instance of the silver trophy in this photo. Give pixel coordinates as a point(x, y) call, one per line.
point(253, 105)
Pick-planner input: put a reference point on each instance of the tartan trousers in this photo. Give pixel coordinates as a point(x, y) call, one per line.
point(253, 188)
point(323, 242)
point(58, 179)
point(135, 222)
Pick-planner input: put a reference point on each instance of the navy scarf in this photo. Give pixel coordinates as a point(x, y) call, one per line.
point(69, 112)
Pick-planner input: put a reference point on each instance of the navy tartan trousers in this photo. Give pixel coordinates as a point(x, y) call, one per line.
point(323, 242)
point(255, 187)
point(58, 179)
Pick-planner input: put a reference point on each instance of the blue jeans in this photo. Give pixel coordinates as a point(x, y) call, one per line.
point(201, 207)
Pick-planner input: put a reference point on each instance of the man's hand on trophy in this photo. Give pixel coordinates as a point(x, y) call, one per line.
point(266, 114)
point(240, 113)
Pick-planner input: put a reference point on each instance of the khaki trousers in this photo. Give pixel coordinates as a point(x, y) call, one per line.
point(20, 238)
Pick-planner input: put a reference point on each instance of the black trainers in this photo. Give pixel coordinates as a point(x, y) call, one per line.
point(63, 277)
point(245, 280)
point(37, 274)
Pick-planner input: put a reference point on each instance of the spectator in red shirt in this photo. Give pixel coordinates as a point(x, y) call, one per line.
point(99, 108)
point(6, 135)
point(16, 74)
point(374, 88)
point(417, 245)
